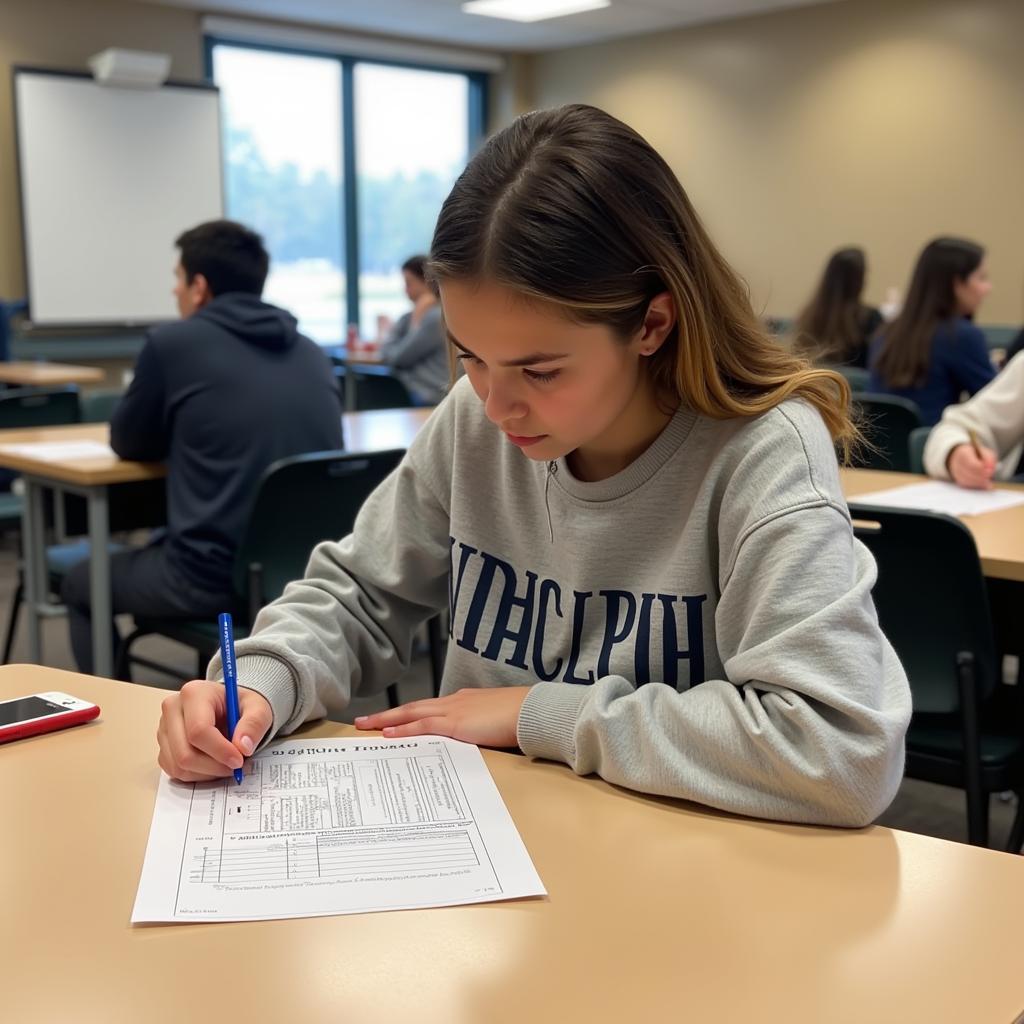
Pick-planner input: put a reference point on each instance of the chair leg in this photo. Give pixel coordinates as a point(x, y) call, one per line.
point(12, 618)
point(1016, 841)
point(393, 700)
point(977, 798)
point(436, 641)
point(123, 668)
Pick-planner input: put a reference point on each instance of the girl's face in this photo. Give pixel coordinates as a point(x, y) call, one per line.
point(971, 290)
point(553, 386)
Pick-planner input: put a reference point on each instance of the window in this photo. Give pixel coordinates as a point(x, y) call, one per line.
point(412, 141)
point(281, 125)
point(300, 154)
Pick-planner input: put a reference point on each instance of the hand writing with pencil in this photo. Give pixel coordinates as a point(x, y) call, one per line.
point(972, 465)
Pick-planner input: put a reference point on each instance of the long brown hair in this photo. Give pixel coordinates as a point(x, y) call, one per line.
point(905, 355)
point(830, 329)
point(573, 207)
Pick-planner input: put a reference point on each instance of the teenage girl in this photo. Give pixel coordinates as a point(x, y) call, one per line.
point(630, 508)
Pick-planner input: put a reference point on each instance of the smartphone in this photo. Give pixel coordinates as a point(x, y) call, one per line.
point(42, 712)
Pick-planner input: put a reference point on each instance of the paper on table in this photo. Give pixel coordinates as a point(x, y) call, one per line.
point(940, 496)
point(334, 826)
point(59, 451)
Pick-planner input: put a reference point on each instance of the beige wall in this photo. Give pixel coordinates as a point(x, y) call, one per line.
point(64, 34)
point(875, 122)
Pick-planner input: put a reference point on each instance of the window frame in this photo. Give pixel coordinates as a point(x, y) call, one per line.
point(478, 95)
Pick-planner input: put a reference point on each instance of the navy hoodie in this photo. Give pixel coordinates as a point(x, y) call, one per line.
point(219, 397)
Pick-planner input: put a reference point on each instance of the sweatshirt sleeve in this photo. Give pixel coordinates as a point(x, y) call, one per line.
point(347, 627)
point(808, 722)
point(995, 414)
point(973, 368)
point(138, 427)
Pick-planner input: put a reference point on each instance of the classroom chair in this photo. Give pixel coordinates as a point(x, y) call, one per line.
point(855, 376)
point(887, 422)
point(329, 488)
point(915, 448)
point(26, 408)
point(98, 406)
point(132, 506)
point(378, 388)
point(39, 407)
point(967, 730)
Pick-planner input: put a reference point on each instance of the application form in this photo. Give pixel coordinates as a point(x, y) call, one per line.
point(334, 826)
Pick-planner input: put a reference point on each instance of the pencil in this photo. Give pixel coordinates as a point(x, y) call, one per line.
point(974, 443)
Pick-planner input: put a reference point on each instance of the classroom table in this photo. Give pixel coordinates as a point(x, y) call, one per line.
point(998, 535)
point(92, 478)
point(658, 910)
point(42, 374)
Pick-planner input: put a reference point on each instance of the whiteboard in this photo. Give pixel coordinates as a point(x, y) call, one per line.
point(109, 178)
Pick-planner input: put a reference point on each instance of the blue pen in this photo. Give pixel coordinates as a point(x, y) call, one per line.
point(227, 656)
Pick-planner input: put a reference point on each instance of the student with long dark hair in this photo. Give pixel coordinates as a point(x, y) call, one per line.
point(931, 353)
point(836, 326)
point(616, 506)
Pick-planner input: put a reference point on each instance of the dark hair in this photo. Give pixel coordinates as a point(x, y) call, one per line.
point(906, 349)
point(830, 328)
point(229, 255)
point(416, 265)
point(572, 207)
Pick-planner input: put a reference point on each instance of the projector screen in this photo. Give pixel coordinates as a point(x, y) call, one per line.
point(109, 178)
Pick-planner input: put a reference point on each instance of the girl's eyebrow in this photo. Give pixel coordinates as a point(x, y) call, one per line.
point(533, 357)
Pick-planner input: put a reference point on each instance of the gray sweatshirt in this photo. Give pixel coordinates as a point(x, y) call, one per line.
point(419, 356)
point(699, 625)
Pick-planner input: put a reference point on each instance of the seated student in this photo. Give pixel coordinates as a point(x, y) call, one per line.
point(218, 395)
point(835, 326)
point(931, 353)
point(996, 417)
point(416, 348)
point(616, 506)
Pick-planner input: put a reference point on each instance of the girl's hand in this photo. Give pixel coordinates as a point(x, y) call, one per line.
point(487, 718)
point(191, 737)
point(968, 470)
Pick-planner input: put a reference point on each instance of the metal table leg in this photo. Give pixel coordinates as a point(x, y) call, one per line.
point(33, 540)
point(99, 581)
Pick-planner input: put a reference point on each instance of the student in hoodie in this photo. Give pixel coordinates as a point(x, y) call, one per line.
point(630, 507)
point(218, 395)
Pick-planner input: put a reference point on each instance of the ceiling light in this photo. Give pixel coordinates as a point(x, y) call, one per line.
point(531, 10)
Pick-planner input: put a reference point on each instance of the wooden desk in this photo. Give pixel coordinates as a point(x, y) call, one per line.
point(30, 374)
point(658, 911)
point(999, 535)
point(92, 477)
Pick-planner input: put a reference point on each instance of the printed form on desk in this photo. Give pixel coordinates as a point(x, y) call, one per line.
point(334, 826)
point(942, 496)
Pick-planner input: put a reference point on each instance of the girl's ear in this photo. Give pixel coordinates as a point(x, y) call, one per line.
point(658, 323)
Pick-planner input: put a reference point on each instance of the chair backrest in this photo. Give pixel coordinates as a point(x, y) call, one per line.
point(300, 502)
point(380, 391)
point(39, 407)
point(887, 422)
point(98, 406)
point(856, 376)
point(915, 448)
point(931, 600)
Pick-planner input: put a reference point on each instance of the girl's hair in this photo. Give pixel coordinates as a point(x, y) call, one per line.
point(830, 329)
point(903, 360)
point(572, 207)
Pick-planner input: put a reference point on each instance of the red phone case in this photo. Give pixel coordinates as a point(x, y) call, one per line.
point(19, 730)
